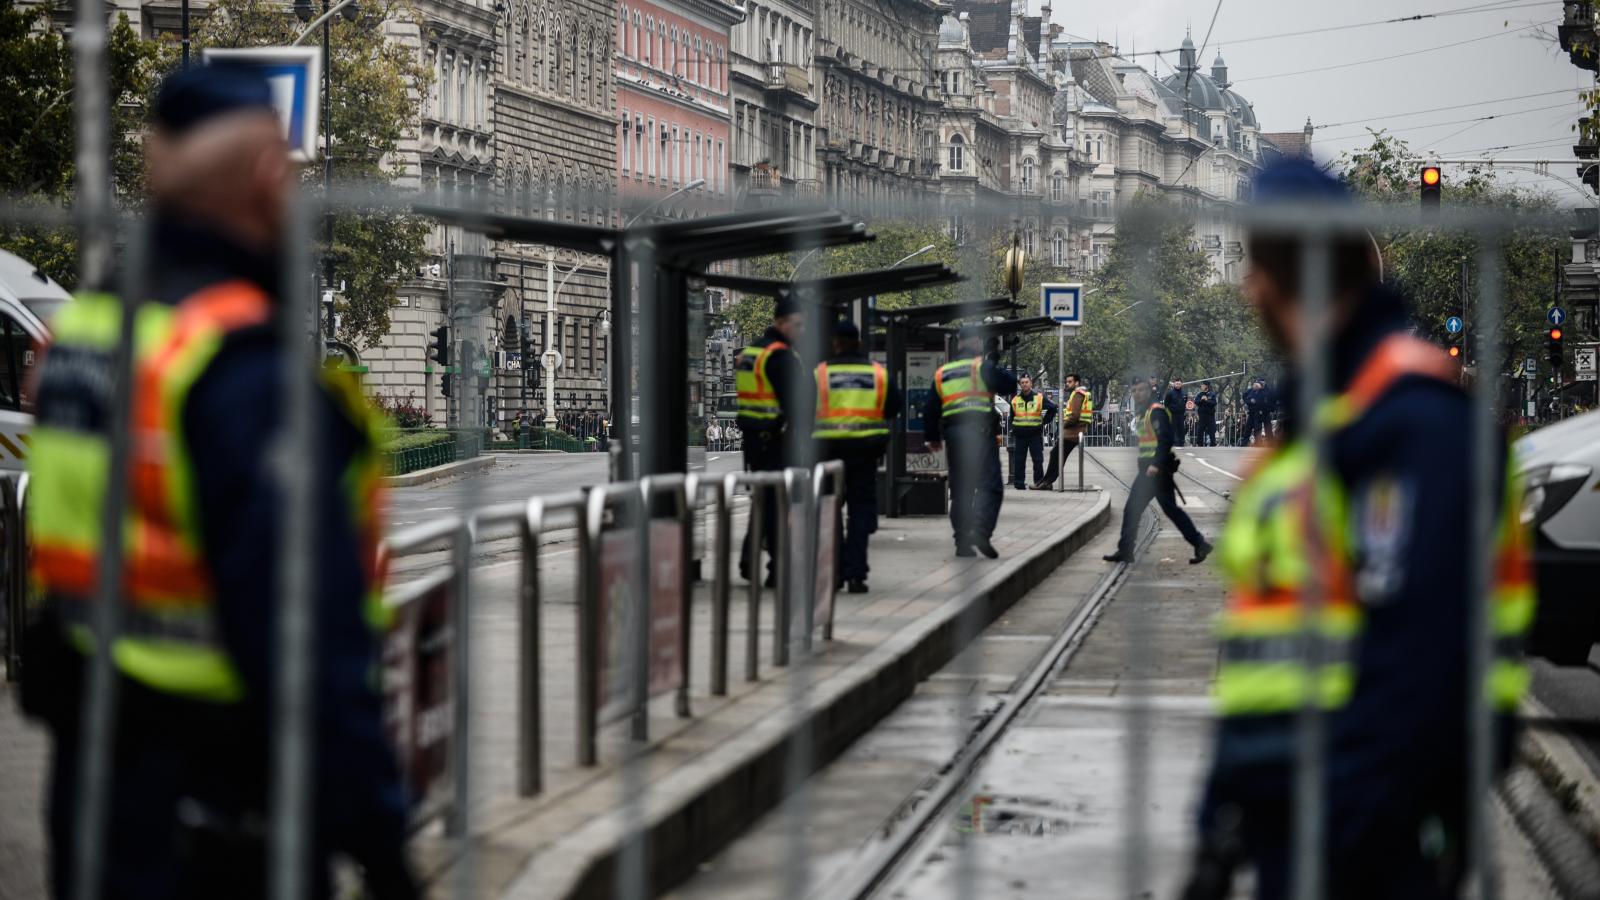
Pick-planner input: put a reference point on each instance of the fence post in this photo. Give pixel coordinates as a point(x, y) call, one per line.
point(783, 559)
point(687, 490)
point(588, 624)
point(640, 638)
point(758, 502)
point(530, 761)
point(460, 679)
point(801, 483)
point(15, 562)
point(720, 588)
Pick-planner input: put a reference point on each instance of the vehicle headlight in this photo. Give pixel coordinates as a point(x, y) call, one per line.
point(1548, 488)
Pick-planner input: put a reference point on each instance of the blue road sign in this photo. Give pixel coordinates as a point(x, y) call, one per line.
point(1556, 315)
point(1062, 302)
point(295, 75)
point(1453, 325)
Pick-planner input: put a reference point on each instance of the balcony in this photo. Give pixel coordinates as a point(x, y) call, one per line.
point(792, 80)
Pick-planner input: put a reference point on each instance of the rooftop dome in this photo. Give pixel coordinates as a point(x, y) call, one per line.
point(950, 31)
point(1247, 115)
point(1203, 93)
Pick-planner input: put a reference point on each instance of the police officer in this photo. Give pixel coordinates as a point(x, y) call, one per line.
point(773, 391)
point(1077, 418)
point(855, 404)
point(1177, 411)
point(1205, 408)
point(196, 654)
point(1255, 407)
point(1383, 525)
point(960, 411)
point(1031, 413)
point(1157, 465)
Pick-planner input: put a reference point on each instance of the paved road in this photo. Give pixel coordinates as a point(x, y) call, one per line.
point(515, 477)
point(1049, 804)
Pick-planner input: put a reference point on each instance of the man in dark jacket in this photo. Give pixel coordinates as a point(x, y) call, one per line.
point(774, 391)
point(1177, 414)
point(189, 779)
point(960, 411)
point(1030, 413)
point(1153, 481)
point(1205, 410)
point(1255, 408)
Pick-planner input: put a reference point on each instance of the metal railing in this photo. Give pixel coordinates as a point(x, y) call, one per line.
point(14, 567)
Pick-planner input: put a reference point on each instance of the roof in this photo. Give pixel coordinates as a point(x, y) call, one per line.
point(23, 280)
point(1289, 143)
point(1234, 102)
point(988, 22)
point(1203, 92)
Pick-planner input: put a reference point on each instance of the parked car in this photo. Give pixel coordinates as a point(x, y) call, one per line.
point(1560, 467)
point(28, 300)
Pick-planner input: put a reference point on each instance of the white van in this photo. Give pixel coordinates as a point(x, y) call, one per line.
point(1561, 479)
point(28, 300)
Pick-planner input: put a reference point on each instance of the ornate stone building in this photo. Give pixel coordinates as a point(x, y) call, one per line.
point(773, 76)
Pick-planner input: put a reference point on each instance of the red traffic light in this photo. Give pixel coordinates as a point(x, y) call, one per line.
point(1455, 351)
point(1430, 175)
point(1555, 334)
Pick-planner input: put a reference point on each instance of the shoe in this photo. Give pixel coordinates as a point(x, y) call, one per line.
point(1115, 557)
point(1200, 554)
point(965, 550)
point(986, 548)
point(1044, 485)
point(1019, 487)
point(772, 580)
point(858, 586)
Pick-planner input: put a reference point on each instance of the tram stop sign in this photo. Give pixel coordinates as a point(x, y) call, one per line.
point(1062, 303)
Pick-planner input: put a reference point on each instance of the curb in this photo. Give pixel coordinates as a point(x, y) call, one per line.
point(423, 476)
point(1553, 796)
point(704, 806)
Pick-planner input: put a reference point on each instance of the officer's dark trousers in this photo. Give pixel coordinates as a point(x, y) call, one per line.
point(859, 512)
point(1143, 491)
point(1206, 432)
point(1252, 427)
point(1026, 442)
point(976, 488)
point(1175, 416)
point(763, 452)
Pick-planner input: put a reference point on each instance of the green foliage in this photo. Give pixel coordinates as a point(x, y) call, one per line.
point(375, 96)
point(411, 440)
point(36, 157)
point(1154, 309)
point(1425, 265)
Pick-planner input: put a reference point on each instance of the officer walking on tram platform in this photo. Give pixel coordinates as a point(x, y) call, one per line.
point(773, 392)
point(1378, 525)
point(1154, 481)
point(1031, 414)
point(960, 412)
point(855, 404)
point(196, 653)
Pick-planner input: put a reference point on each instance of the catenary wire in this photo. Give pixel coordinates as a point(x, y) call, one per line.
point(1419, 112)
point(1378, 59)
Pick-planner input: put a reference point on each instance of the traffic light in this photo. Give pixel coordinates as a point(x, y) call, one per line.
point(1430, 184)
point(444, 384)
point(441, 346)
point(1455, 352)
point(1552, 351)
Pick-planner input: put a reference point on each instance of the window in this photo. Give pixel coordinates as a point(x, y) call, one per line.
point(637, 38)
point(650, 137)
point(638, 146)
point(1027, 242)
point(957, 153)
point(1058, 249)
point(627, 144)
point(1058, 188)
point(1027, 175)
point(721, 170)
point(15, 368)
point(650, 37)
point(622, 33)
point(1099, 149)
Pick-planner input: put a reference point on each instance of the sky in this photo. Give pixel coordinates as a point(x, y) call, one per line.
point(1507, 49)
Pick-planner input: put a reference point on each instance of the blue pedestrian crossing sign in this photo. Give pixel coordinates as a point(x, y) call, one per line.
point(295, 75)
point(1062, 302)
point(1453, 324)
point(1556, 315)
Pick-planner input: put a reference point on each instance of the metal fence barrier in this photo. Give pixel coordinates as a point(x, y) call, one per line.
point(14, 566)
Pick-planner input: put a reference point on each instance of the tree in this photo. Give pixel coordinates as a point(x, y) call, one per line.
point(1426, 265)
point(36, 157)
point(376, 86)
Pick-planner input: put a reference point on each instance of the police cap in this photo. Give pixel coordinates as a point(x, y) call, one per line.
point(193, 96)
point(846, 330)
point(786, 306)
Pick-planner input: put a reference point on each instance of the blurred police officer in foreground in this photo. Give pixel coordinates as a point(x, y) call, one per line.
point(196, 652)
point(960, 412)
point(1031, 413)
point(1383, 525)
point(1157, 465)
point(1205, 409)
point(855, 403)
point(773, 391)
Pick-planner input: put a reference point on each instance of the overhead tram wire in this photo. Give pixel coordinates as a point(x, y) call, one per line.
point(1418, 112)
point(1378, 59)
point(1504, 115)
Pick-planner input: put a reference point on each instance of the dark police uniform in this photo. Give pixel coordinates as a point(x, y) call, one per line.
point(960, 412)
point(196, 657)
point(1390, 524)
point(1155, 449)
point(1175, 402)
point(769, 380)
point(855, 404)
point(1205, 408)
point(1031, 413)
point(1255, 406)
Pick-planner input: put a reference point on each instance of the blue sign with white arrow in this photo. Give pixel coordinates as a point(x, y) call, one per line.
point(1556, 315)
point(294, 75)
point(1453, 324)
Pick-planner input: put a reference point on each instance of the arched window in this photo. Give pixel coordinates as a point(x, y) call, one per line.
point(649, 38)
point(622, 34)
point(636, 35)
point(1027, 175)
point(1058, 249)
point(1058, 188)
point(957, 153)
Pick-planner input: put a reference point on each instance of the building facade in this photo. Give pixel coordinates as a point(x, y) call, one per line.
point(773, 79)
